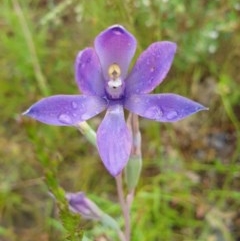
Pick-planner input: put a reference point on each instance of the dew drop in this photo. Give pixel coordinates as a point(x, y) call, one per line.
point(137, 99)
point(152, 69)
point(83, 106)
point(66, 119)
point(74, 105)
point(137, 90)
point(150, 80)
point(171, 114)
point(86, 116)
point(154, 113)
point(82, 65)
point(148, 62)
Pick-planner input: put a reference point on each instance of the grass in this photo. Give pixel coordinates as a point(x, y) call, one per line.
point(189, 188)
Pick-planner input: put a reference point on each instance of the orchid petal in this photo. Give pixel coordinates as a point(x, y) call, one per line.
point(66, 110)
point(162, 107)
point(115, 45)
point(88, 73)
point(114, 140)
point(151, 68)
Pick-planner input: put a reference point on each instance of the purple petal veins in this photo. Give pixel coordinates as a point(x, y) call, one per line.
point(115, 45)
point(114, 140)
point(66, 110)
point(162, 107)
point(151, 68)
point(88, 73)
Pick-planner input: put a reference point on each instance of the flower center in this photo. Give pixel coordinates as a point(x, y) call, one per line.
point(115, 85)
point(114, 71)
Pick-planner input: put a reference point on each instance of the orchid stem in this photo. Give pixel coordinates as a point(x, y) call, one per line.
point(121, 236)
point(87, 131)
point(124, 206)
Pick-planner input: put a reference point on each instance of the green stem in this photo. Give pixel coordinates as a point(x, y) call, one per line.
point(124, 206)
point(88, 132)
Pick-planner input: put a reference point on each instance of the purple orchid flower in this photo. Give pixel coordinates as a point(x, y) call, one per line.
point(102, 77)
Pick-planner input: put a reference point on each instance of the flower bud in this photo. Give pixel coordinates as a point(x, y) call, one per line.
point(133, 171)
point(134, 165)
point(79, 203)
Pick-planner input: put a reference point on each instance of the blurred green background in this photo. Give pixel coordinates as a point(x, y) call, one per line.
point(189, 188)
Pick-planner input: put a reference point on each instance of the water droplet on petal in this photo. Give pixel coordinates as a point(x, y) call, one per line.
point(152, 69)
point(82, 65)
point(65, 119)
point(171, 114)
point(74, 105)
point(148, 62)
point(150, 80)
point(137, 90)
point(86, 116)
point(137, 99)
point(154, 113)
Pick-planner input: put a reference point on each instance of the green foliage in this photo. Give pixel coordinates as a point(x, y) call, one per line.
point(189, 188)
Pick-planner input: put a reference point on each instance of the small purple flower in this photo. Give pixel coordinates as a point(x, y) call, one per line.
point(102, 77)
point(79, 203)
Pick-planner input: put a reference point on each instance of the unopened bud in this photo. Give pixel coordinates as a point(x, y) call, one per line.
point(79, 203)
point(133, 171)
point(134, 165)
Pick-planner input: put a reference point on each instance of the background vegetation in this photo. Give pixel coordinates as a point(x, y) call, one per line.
point(189, 189)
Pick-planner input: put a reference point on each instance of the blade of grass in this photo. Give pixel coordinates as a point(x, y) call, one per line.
point(41, 81)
